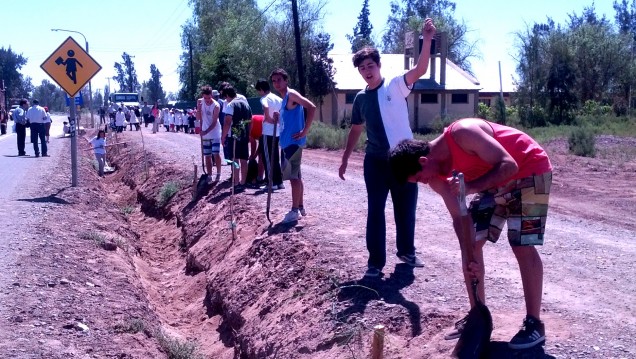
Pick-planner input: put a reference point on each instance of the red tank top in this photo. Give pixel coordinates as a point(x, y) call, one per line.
point(530, 157)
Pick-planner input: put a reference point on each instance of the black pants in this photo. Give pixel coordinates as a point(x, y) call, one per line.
point(3, 128)
point(38, 131)
point(102, 119)
point(20, 130)
point(146, 119)
point(268, 141)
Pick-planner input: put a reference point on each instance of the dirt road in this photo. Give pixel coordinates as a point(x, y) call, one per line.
point(295, 292)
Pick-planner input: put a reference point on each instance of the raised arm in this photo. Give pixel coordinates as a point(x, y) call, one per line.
point(428, 31)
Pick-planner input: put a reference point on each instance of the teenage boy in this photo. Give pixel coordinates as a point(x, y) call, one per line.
point(271, 104)
point(511, 176)
point(382, 108)
point(235, 136)
point(293, 137)
point(208, 116)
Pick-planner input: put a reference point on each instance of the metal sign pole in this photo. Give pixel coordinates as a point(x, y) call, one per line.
point(73, 132)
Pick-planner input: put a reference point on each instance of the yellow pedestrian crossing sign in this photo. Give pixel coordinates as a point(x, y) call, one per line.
point(70, 66)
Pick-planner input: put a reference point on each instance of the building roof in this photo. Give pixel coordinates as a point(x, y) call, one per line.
point(347, 77)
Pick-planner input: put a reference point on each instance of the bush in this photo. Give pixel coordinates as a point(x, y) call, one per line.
point(483, 111)
point(534, 116)
point(176, 349)
point(331, 138)
point(581, 142)
point(167, 191)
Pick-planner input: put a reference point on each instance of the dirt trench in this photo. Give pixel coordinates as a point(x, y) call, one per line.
point(259, 294)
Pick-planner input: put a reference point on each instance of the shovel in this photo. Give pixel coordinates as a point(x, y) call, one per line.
point(270, 172)
point(202, 184)
point(475, 337)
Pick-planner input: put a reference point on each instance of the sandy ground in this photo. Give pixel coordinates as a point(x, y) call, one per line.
point(179, 275)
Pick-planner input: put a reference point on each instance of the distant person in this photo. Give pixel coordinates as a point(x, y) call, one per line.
point(235, 135)
point(120, 120)
point(102, 115)
point(37, 117)
point(134, 120)
point(293, 137)
point(271, 104)
point(154, 117)
point(382, 108)
point(99, 148)
point(4, 119)
point(191, 121)
point(208, 114)
point(511, 176)
point(112, 111)
point(66, 129)
point(19, 117)
point(145, 113)
point(47, 124)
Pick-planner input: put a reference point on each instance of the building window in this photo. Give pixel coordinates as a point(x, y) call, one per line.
point(459, 98)
point(349, 97)
point(428, 98)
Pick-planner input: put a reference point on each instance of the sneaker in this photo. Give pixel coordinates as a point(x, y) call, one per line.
point(291, 216)
point(372, 272)
point(412, 260)
point(302, 211)
point(457, 330)
point(280, 186)
point(532, 333)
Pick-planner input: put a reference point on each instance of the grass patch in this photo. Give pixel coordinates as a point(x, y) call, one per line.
point(127, 210)
point(97, 237)
point(331, 138)
point(167, 191)
point(175, 348)
point(132, 326)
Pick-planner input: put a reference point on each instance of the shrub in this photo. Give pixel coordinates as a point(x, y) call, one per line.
point(127, 210)
point(176, 349)
point(581, 142)
point(167, 191)
point(483, 111)
point(331, 138)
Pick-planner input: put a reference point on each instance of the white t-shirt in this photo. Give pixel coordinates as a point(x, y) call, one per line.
point(207, 114)
point(273, 103)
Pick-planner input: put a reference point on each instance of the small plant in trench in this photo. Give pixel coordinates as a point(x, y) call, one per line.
point(132, 326)
point(167, 191)
point(97, 237)
point(127, 210)
point(175, 348)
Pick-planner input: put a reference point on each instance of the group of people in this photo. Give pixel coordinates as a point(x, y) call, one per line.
point(227, 122)
point(508, 173)
point(38, 120)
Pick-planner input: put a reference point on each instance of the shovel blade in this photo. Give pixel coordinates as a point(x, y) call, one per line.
point(202, 185)
point(473, 342)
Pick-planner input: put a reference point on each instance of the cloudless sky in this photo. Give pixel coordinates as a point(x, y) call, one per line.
point(150, 31)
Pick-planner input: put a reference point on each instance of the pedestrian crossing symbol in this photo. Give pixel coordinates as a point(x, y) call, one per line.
point(70, 66)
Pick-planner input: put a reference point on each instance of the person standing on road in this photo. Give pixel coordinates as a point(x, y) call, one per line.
point(102, 115)
point(293, 137)
point(99, 148)
point(271, 104)
point(3, 121)
point(47, 124)
point(381, 108)
point(134, 120)
point(19, 117)
point(37, 118)
point(207, 114)
point(154, 117)
point(511, 176)
point(145, 113)
point(120, 120)
point(235, 135)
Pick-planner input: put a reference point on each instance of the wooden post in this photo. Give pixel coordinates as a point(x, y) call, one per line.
point(377, 346)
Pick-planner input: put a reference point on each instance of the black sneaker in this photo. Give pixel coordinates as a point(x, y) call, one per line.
point(457, 330)
point(412, 260)
point(532, 333)
point(372, 272)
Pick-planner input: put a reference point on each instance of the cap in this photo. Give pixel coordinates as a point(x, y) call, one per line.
point(215, 93)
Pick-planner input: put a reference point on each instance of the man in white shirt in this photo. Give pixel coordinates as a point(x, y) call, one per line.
point(208, 115)
point(37, 117)
point(271, 103)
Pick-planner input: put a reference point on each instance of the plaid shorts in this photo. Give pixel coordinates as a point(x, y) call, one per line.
point(211, 147)
point(522, 204)
point(292, 157)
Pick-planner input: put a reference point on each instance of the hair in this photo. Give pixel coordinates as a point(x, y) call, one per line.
point(23, 102)
point(405, 158)
point(366, 53)
point(206, 90)
point(228, 91)
point(262, 85)
point(35, 102)
point(279, 72)
point(99, 133)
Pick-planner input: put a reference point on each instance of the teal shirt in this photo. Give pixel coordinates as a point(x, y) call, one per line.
point(293, 121)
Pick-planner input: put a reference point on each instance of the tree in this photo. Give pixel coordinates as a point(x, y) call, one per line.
point(362, 31)
point(50, 95)
point(126, 74)
point(320, 74)
point(155, 89)
point(17, 85)
point(409, 15)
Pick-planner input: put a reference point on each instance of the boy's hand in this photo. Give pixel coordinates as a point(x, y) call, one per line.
point(428, 28)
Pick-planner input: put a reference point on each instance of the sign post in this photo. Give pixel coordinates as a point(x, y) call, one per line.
point(71, 67)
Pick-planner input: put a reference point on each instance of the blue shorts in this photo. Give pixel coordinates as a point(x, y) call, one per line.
point(211, 147)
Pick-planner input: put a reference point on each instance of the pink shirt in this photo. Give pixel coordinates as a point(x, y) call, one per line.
point(530, 157)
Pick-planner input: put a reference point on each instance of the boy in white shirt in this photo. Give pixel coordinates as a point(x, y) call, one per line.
point(208, 114)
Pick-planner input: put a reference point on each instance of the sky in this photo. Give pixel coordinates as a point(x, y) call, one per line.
point(150, 31)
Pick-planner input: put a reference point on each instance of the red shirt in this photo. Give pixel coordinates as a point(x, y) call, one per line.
point(256, 130)
point(530, 157)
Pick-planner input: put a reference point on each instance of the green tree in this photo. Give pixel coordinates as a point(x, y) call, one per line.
point(50, 95)
point(362, 31)
point(17, 85)
point(126, 74)
point(320, 74)
point(155, 89)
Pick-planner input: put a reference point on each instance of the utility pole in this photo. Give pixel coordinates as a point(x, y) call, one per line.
point(192, 87)
point(299, 54)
